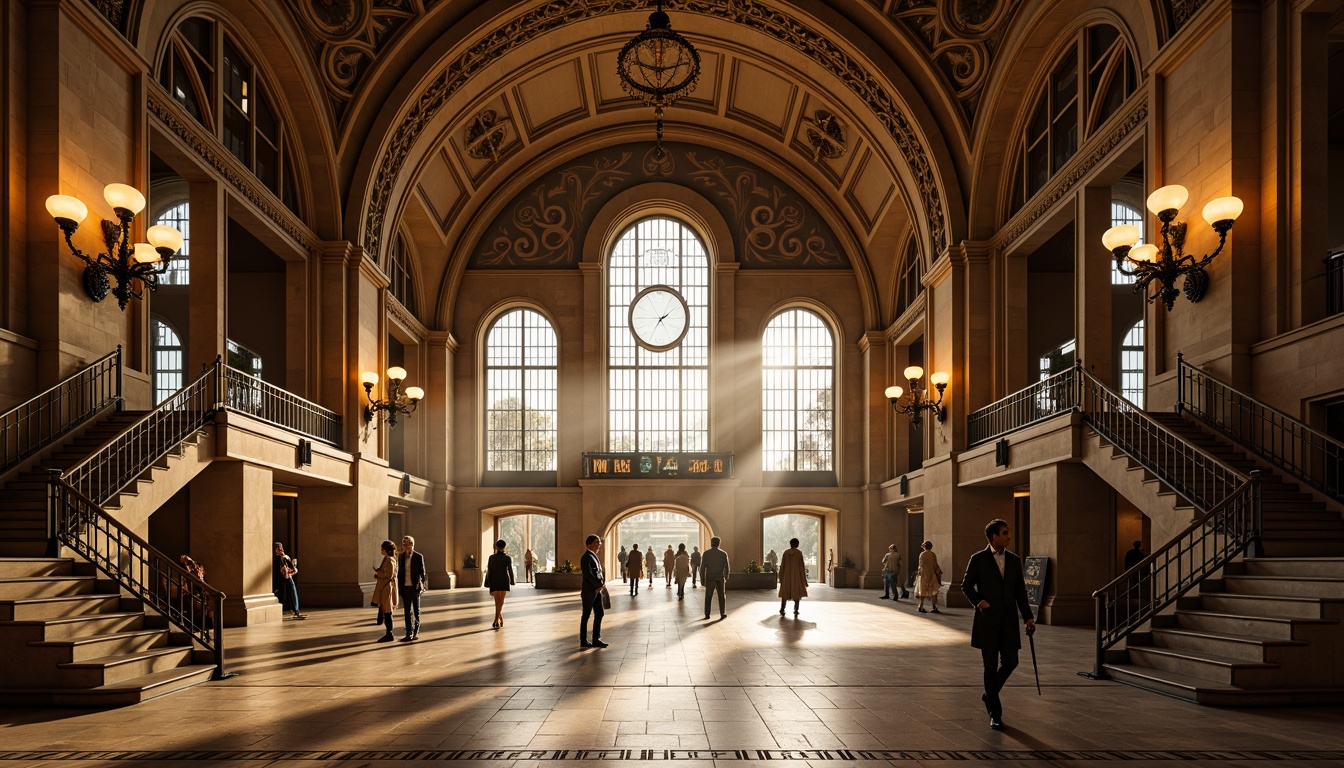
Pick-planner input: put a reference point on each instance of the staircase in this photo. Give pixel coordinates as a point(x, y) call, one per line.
point(1270, 630)
point(70, 639)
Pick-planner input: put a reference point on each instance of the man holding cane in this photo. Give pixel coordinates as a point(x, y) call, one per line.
point(993, 583)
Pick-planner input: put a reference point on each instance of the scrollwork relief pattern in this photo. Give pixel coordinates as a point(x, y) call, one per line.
point(544, 227)
point(112, 10)
point(527, 26)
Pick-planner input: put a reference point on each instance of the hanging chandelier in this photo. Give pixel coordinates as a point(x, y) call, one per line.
point(658, 67)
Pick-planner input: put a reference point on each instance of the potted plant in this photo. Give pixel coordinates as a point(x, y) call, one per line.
point(752, 577)
point(564, 576)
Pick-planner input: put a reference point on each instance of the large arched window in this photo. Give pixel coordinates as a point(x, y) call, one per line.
point(165, 348)
point(179, 268)
point(1131, 365)
point(521, 393)
point(1088, 84)
point(798, 397)
point(912, 280)
point(658, 391)
point(400, 281)
point(206, 73)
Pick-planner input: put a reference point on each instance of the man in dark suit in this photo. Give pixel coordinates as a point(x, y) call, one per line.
point(594, 584)
point(410, 583)
point(994, 583)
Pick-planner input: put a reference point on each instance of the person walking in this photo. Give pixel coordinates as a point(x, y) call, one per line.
point(695, 565)
point(528, 562)
point(994, 583)
point(620, 559)
point(410, 585)
point(792, 577)
point(283, 570)
point(634, 568)
point(594, 585)
point(498, 579)
point(669, 559)
point(930, 579)
point(714, 575)
point(384, 591)
point(891, 574)
point(651, 564)
point(681, 569)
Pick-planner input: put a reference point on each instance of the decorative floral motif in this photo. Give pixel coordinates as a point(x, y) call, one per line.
point(544, 227)
point(484, 135)
point(825, 135)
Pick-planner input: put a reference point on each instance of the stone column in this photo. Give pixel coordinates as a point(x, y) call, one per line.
point(880, 525)
point(434, 526)
point(1092, 283)
point(231, 534)
point(1072, 523)
point(208, 307)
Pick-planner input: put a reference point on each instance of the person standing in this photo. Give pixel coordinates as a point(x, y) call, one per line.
point(930, 578)
point(891, 574)
point(695, 565)
point(771, 562)
point(594, 584)
point(792, 577)
point(283, 570)
point(995, 585)
point(384, 588)
point(498, 579)
point(651, 564)
point(669, 559)
point(1133, 556)
point(528, 562)
point(411, 584)
point(714, 575)
point(681, 569)
point(620, 559)
point(634, 568)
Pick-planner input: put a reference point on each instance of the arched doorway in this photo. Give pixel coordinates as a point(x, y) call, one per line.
point(656, 529)
point(523, 531)
point(777, 529)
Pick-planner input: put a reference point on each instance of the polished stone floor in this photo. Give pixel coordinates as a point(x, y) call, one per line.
point(853, 681)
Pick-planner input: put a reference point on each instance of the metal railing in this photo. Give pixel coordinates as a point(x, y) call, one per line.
point(161, 584)
point(1285, 442)
point(249, 395)
point(1040, 401)
point(33, 425)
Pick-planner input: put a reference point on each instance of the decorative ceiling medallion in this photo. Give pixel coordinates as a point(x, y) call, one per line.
point(485, 134)
point(826, 135)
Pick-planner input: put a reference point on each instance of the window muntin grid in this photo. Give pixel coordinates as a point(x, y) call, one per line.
point(400, 282)
point(521, 393)
point(1123, 214)
point(798, 402)
point(658, 401)
point(1131, 365)
point(165, 349)
point(179, 269)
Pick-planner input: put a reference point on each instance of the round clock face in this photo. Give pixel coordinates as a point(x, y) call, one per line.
point(658, 318)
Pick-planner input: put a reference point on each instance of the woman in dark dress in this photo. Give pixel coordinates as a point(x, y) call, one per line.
point(498, 577)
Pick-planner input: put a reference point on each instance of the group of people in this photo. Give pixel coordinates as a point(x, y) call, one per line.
point(678, 566)
point(399, 579)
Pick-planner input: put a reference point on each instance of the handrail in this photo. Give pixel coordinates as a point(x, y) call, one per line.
point(249, 395)
point(1280, 439)
point(184, 600)
point(1039, 401)
point(38, 422)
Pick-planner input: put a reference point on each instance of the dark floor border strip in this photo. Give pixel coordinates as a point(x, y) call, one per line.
point(647, 755)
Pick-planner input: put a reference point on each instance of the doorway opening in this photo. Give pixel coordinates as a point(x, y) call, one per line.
point(777, 529)
point(655, 530)
point(524, 531)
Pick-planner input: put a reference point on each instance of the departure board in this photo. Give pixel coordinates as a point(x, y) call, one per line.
point(666, 466)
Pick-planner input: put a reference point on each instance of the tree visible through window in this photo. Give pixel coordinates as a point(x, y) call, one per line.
point(521, 391)
point(798, 408)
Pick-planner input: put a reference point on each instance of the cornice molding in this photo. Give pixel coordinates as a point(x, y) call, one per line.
point(403, 317)
point(872, 340)
point(912, 315)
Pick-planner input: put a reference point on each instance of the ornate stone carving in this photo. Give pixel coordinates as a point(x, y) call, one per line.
point(1064, 183)
point(346, 36)
point(960, 37)
point(208, 148)
point(402, 315)
point(112, 10)
point(544, 227)
point(1182, 10)
point(515, 31)
point(825, 135)
point(484, 135)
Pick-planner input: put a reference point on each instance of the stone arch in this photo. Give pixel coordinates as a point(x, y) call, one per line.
point(612, 524)
point(482, 332)
point(489, 518)
point(830, 533)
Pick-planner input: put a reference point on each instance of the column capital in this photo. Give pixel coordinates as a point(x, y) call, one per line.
point(872, 340)
point(369, 270)
point(336, 251)
point(442, 340)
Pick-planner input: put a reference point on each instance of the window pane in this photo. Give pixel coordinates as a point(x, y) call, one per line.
point(166, 358)
point(797, 398)
point(179, 267)
point(1131, 365)
point(1123, 214)
point(236, 129)
point(522, 393)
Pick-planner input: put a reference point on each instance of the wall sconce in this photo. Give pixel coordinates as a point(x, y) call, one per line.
point(123, 262)
point(396, 402)
point(917, 401)
point(1161, 267)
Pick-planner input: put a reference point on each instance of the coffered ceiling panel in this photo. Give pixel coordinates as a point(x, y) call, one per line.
point(484, 138)
point(552, 98)
point(825, 137)
point(871, 189)
point(761, 97)
point(439, 188)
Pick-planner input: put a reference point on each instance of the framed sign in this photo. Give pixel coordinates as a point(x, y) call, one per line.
point(666, 466)
point(1034, 571)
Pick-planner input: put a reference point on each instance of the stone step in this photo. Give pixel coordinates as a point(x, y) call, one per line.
point(135, 690)
point(1212, 694)
point(95, 646)
point(69, 627)
point(1322, 545)
point(109, 670)
point(1216, 669)
point(33, 567)
point(1288, 586)
point(1240, 648)
point(46, 587)
point(1273, 606)
point(1271, 526)
point(1240, 625)
point(30, 546)
point(1325, 567)
point(59, 607)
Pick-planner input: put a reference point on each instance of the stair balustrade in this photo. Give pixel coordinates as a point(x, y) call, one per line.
point(29, 427)
point(249, 395)
point(1285, 442)
point(1043, 400)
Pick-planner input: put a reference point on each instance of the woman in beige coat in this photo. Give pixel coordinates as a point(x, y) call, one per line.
point(681, 569)
point(792, 577)
point(385, 589)
point(930, 578)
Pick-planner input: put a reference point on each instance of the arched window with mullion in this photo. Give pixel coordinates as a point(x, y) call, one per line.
point(521, 393)
point(798, 394)
point(166, 357)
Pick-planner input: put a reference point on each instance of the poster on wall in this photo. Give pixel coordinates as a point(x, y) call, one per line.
point(1035, 570)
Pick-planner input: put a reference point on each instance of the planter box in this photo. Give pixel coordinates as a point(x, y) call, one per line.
point(842, 577)
point(567, 581)
point(753, 581)
point(469, 577)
